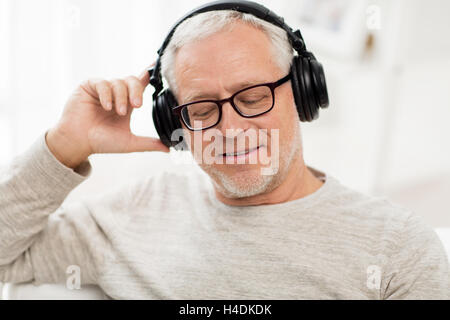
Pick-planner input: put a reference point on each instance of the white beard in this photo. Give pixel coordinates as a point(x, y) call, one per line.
point(252, 182)
point(242, 185)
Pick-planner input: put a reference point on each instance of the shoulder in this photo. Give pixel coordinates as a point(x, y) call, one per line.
point(357, 207)
point(411, 256)
point(415, 264)
point(381, 223)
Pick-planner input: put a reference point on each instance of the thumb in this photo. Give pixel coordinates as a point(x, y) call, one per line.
point(141, 144)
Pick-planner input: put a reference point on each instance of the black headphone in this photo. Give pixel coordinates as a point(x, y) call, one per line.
point(307, 75)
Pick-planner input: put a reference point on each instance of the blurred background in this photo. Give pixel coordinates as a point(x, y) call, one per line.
point(387, 64)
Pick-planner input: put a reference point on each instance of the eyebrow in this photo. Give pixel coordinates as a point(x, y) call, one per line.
point(196, 95)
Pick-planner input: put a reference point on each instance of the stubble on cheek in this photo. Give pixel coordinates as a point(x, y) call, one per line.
point(240, 183)
point(235, 182)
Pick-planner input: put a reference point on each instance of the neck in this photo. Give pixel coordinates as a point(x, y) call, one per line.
point(299, 183)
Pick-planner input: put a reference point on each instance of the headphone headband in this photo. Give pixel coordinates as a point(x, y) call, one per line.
point(256, 9)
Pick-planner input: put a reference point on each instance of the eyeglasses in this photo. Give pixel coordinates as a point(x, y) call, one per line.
point(248, 102)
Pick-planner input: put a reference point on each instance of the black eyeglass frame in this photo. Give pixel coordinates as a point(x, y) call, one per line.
point(272, 85)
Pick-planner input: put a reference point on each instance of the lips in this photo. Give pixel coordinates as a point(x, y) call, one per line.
point(240, 153)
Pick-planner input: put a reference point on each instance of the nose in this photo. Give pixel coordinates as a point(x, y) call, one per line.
point(232, 122)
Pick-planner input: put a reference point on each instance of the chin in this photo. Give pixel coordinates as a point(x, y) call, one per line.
point(240, 181)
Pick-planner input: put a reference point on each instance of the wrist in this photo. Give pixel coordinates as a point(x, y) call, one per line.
point(62, 149)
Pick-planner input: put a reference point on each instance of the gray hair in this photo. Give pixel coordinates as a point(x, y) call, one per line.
point(204, 24)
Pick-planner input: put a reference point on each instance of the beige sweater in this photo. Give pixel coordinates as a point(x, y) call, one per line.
point(168, 237)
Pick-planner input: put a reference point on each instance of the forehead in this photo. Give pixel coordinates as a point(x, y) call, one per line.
point(224, 61)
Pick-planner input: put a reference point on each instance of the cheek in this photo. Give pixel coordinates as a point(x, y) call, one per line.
point(284, 119)
point(199, 143)
point(288, 112)
point(288, 105)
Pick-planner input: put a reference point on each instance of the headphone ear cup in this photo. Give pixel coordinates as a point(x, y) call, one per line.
point(296, 89)
point(303, 92)
point(311, 103)
point(319, 83)
point(165, 122)
point(173, 122)
point(158, 123)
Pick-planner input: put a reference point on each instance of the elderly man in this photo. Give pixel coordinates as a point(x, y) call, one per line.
point(236, 232)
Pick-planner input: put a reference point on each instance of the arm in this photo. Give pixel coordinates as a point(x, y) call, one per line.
point(419, 267)
point(35, 245)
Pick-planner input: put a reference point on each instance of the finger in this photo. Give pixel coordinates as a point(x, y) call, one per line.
point(104, 93)
point(141, 144)
point(144, 77)
point(135, 91)
point(89, 87)
point(120, 93)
